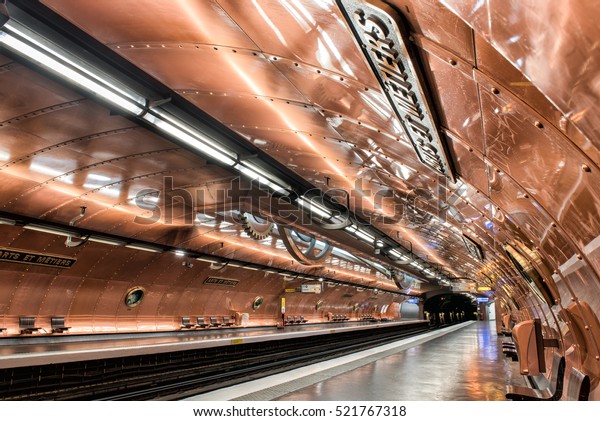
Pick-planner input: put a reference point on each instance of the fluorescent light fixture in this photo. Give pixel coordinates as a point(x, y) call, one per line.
point(62, 63)
point(351, 228)
point(189, 136)
point(144, 248)
point(365, 235)
point(180, 253)
point(417, 265)
point(50, 230)
point(4, 221)
point(104, 240)
point(256, 174)
point(399, 255)
point(235, 265)
point(360, 233)
point(306, 204)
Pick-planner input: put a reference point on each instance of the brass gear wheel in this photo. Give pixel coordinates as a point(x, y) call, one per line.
point(255, 227)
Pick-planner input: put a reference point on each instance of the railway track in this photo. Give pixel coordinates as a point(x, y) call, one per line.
point(176, 375)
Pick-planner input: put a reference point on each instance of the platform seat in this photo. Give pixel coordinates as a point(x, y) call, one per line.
point(553, 389)
point(187, 323)
point(2, 329)
point(201, 323)
point(297, 319)
point(27, 325)
point(58, 325)
point(214, 322)
point(227, 321)
point(303, 320)
point(510, 350)
point(578, 388)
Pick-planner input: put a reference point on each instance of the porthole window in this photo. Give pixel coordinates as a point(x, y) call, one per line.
point(319, 305)
point(257, 302)
point(134, 297)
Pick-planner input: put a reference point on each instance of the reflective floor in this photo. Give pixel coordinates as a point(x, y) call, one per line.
point(467, 364)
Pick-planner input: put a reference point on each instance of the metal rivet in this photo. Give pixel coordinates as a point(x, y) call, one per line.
point(579, 257)
point(495, 91)
point(586, 168)
point(538, 124)
point(452, 62)
point(554, 224)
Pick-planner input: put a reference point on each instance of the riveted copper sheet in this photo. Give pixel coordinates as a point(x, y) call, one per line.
point(515, 102)
point(287, 95)
point(563, 66)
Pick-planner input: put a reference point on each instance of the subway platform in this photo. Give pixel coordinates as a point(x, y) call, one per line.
point(462, 362)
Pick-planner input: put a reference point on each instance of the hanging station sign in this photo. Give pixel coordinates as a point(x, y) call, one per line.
point(30, 258)
point(385, 42)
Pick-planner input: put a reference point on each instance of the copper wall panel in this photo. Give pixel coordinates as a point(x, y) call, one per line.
point(338, 94)
point(517, 145)
point(62, 123)
point(431, 19)
point(29, 294)
point(313, 32)
point(18, 79)
point(223, 70)
point(148, 21)
point(469, 163)
point(248, 111)
point(519, 208)
point(451, 87)
point(492, 63)
point(519, 30)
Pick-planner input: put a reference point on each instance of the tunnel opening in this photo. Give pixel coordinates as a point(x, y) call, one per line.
point(450, 308)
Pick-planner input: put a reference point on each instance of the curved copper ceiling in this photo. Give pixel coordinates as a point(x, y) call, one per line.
point(290, 78)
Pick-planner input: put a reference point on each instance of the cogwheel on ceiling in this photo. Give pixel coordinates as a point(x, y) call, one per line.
point(256, 227)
